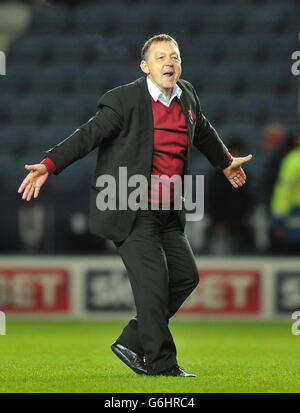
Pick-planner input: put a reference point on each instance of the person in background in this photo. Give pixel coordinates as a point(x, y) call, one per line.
point(277, 144)
point(229, 211)
point(285, 203)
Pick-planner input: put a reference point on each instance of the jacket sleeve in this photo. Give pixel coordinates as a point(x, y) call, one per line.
point(105, 125)
point(207, 140)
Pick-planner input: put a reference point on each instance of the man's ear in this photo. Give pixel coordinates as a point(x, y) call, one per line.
point(144, 67)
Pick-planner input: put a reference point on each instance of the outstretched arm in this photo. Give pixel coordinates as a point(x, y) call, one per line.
point(104, 125)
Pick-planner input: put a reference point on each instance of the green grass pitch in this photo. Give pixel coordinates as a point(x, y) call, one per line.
point(75, 356)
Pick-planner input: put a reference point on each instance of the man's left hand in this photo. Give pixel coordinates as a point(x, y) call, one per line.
point(234, 173)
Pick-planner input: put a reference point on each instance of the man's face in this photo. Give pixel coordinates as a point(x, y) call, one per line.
point(163, 65)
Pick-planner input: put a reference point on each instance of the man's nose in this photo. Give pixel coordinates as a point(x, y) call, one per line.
point(169, 62)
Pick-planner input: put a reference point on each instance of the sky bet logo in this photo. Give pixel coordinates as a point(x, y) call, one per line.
point(2, 63)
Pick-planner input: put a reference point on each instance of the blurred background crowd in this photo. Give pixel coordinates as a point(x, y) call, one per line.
point(62, 56)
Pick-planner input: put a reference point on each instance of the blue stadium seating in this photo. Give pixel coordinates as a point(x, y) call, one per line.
point(269, 18)
point(19, 139)
point(236, 54)
point(217, 108)
point(250, 134)
point(98, 19)
point(31, 109)
point(9, 166)
point(144, 18)
point(33, 49)
point(49, 19)
point(72, 49)
point(54, 79)
point(76, 109)
point(95, 78)
point(6, 105)
point(19, 79)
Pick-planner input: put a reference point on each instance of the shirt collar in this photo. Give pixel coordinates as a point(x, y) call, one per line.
point(157, 94)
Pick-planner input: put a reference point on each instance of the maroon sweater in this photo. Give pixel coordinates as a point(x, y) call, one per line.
point(169, 148)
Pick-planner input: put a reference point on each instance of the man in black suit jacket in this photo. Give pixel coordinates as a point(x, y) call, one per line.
point(152, 244)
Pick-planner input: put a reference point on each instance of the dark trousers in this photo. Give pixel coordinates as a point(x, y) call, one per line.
point(162, 273)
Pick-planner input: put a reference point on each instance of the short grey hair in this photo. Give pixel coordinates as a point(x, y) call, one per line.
point(153, 39)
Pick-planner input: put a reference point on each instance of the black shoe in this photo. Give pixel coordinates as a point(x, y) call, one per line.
point(175, 371)
point(130, 358)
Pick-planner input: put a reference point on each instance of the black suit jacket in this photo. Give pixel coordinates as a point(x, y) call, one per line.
point(122, 129)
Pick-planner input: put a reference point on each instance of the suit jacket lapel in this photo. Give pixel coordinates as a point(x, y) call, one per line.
point(146, 134)
point(185, 108)
point(185, 105)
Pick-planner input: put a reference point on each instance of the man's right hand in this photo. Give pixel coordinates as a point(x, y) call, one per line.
point(33, 182)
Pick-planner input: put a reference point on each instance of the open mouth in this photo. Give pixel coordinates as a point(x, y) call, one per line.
point(169, 74)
